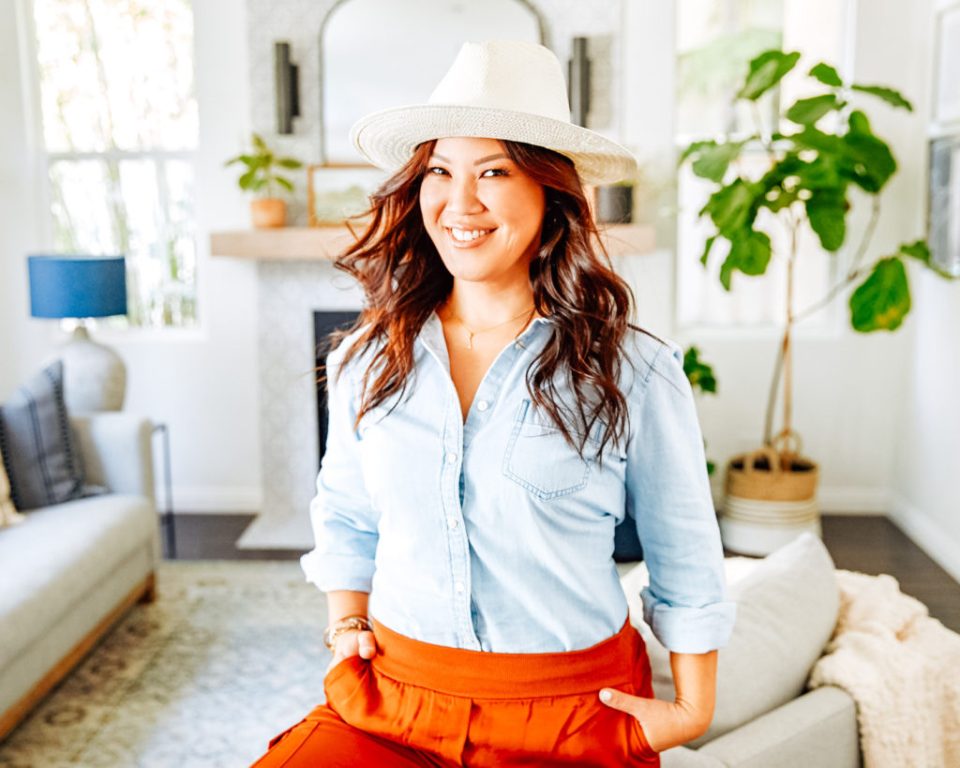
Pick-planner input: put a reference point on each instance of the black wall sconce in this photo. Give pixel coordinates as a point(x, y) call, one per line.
point(287, 87)
point(578, 77)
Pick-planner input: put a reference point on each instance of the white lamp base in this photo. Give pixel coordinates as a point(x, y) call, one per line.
point(94, 376)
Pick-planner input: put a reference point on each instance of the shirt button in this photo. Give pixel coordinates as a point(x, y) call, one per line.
point(459, 587)
point(451, 458)
point(482, 405)
point(452, 522)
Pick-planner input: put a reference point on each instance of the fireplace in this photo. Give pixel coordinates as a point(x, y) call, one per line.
point(325, 322)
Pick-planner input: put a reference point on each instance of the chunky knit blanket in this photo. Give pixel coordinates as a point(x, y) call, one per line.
point(902, 667)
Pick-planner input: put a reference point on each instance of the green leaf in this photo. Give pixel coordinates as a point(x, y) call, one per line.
point(259, 143)
point(248, 179)
point(889, 95)
point(700, 374)
point(749, 252)
point(696, 146)
point(713, 162)
point(289, 162)
point(731, 207)
point(858, 122)
point(706, 249)
point(827, 209)
point(826, 75)
point(868, 160)
point(883, 299)
point(808, 111)
point(822, 173)
point(918, 250)
point(766, 70)
point(285, 183)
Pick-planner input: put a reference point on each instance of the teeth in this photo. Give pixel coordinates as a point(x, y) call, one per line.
point(468, 235)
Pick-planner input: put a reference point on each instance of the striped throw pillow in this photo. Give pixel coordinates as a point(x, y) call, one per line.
point(41, 457)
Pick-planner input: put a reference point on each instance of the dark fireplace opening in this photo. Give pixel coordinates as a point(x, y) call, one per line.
point(324, 323)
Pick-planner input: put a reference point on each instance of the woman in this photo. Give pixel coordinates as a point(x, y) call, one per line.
point(492, 417)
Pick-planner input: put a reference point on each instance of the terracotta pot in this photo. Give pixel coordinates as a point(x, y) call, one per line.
point(268, 212)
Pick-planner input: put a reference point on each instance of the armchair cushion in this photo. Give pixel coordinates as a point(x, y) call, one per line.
point(787, 607)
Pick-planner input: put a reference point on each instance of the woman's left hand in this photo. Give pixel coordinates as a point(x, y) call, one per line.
point(666, 724)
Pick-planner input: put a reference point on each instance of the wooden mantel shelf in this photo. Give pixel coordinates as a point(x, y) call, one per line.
point(316, 243)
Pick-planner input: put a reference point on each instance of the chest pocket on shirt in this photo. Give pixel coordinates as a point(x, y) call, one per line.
point(539, 458)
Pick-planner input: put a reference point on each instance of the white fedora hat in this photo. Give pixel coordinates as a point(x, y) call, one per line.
point(497, 89)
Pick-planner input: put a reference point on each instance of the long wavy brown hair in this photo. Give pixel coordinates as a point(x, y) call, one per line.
point(404, 280)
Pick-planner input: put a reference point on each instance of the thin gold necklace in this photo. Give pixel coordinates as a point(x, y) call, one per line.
point(471, 334)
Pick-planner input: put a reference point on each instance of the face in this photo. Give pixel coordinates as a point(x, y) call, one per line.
point(471, 184)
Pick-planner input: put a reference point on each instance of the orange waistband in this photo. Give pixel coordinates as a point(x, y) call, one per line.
point(484, 674)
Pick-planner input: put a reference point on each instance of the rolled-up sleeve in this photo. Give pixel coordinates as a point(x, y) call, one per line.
point(668, 494)
point(343, 520)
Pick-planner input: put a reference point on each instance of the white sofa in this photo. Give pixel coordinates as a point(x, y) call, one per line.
point(70, 571)
point(766, 716)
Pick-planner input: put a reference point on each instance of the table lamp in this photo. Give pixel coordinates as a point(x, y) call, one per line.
point(81, 287)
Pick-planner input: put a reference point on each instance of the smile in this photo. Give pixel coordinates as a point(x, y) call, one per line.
point(468, 238)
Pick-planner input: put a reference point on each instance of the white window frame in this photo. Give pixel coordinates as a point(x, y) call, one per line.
point(42, 160)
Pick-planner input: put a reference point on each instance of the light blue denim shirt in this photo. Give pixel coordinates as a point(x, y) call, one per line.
point(493, 534)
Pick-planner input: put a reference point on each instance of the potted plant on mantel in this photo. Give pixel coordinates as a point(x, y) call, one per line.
point(770, 493)
point(261, 177)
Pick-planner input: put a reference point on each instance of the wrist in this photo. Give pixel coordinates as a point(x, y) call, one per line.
point(355, 622)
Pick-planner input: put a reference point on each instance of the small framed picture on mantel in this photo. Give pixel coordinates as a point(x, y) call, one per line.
point(336, 192)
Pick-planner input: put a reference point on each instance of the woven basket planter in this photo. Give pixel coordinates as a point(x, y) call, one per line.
point(769, 499)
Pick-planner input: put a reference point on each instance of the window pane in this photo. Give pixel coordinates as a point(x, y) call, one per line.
point(116, 74)
point(140, 208)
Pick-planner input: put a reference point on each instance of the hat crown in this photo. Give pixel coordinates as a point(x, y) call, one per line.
point(506, 74)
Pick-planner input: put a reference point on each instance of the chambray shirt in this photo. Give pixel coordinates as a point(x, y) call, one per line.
point(493, 534)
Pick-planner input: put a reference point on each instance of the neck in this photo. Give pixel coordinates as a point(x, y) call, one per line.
point(482, 309)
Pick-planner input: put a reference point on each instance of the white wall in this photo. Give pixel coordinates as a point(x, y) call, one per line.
point(926, 468)
point(203, 384)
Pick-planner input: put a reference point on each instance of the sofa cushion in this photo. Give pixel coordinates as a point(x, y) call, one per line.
point(57, 554)
point(787, 607)
point(38, 446)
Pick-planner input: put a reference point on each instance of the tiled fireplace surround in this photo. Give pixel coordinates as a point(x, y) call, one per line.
point(290, 291)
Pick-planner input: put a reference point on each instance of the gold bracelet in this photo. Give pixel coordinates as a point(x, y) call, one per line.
point(333, 631)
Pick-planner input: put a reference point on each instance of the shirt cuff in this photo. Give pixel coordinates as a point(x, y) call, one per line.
point(687, 629)
point(332, 572)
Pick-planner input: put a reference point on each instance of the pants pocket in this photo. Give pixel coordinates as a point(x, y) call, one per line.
point(637, 739)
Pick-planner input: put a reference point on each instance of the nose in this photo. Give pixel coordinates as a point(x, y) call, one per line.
point(462, 196)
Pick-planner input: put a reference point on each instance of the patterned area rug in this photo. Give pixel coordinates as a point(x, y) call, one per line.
point(228, 656)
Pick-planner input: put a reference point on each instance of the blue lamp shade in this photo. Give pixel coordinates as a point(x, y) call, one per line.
point(77, 286)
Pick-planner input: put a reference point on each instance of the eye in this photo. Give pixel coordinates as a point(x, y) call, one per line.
point(500, 171)
point(432, 168)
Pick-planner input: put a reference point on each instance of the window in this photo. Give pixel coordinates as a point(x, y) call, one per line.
point(715, 40)
point(119, 131)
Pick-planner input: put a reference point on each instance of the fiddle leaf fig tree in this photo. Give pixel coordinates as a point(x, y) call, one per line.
point(810, 175)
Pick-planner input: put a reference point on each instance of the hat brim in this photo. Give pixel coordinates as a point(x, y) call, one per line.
point(387, 138)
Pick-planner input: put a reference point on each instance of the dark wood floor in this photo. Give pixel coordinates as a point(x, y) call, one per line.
point(869, 544)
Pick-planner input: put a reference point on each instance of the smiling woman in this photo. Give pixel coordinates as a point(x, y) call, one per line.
point(464, 530)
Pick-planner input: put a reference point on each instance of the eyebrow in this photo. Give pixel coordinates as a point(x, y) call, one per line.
point(481, 161)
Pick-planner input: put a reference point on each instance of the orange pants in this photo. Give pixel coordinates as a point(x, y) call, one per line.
point(421, 704)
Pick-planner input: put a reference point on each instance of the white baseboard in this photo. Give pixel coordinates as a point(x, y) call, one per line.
point(210, 500)
point(942, 546)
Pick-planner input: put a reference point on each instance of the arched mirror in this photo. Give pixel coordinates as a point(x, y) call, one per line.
point(376, 54)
